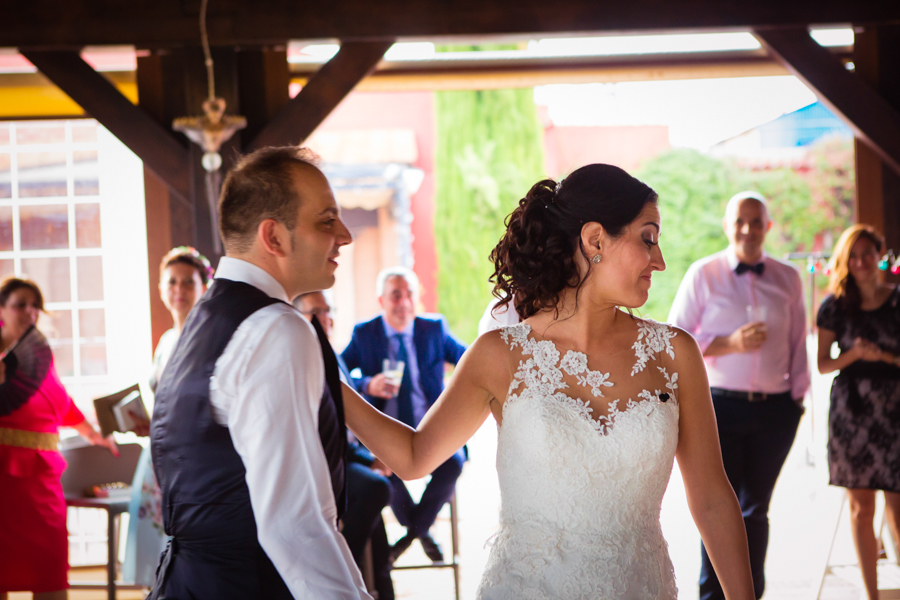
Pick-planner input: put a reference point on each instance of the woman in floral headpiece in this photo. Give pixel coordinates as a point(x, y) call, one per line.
point(183, 276)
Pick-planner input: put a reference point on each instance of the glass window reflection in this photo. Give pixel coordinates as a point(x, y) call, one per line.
point(44, 227)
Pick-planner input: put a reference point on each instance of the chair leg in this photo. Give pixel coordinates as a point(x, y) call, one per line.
point(112, 555)
point(454, 542)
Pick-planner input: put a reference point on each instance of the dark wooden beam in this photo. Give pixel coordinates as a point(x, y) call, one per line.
point(876, 55)
point(156, 147)
point(168, 23)
point(264, 77)
point(871, 117)
point(324, 91)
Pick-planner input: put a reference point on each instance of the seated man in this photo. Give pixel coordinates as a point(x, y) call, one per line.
point(424, 344)
point(368, 487)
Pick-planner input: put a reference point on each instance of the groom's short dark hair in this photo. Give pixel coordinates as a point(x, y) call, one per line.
point(261, 186)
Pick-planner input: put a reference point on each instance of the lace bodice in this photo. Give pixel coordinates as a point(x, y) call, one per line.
point(582, 471)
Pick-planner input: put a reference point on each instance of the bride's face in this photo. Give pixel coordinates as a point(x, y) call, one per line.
point(624, 275)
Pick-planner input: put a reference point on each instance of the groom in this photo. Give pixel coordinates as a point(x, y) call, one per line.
point(248, 433)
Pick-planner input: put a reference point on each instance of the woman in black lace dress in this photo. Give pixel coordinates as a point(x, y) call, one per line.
point(863, 316)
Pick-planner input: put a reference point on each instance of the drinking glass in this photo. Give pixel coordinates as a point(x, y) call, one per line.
point(393, 372)
point(757, 314)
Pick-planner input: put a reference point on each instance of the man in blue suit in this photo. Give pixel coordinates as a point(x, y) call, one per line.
point(425, 345)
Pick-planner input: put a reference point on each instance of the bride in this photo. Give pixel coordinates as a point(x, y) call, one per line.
point(591, 403)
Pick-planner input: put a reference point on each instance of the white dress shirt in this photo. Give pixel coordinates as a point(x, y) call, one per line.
point(503, 317)
point(712, 301)
point(266, 388)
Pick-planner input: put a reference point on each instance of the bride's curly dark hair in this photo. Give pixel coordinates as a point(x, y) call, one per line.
point(535, 259)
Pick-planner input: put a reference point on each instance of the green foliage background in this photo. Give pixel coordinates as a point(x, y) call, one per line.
point(809, 210)
point(489, 153)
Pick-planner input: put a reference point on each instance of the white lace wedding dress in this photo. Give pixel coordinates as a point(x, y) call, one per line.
point(582, 480)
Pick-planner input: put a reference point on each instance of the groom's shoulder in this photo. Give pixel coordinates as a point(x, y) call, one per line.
point(281, 324)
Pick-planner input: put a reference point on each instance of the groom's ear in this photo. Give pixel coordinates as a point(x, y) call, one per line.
point(274, 237)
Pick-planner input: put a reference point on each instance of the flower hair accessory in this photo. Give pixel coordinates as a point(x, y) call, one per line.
point(555, 194)
point(193, 253)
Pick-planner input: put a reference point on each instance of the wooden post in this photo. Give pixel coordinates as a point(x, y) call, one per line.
point(875, 56)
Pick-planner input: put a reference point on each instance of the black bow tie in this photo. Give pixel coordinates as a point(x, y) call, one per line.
point(744, 267)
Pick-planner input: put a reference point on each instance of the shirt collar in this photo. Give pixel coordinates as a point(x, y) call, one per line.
point(731, 257)
point(235, 269)
point(391, 332)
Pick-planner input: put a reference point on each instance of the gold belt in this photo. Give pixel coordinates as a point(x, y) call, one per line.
point(35, 440)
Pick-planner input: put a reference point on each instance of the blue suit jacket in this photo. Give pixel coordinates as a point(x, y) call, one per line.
point(434, 343)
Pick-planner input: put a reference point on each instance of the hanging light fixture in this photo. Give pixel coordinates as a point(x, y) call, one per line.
point(210, 131)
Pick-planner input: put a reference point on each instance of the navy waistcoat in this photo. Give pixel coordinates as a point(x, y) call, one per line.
point(214, 551)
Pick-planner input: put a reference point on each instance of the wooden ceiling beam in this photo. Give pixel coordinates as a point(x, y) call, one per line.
point(871, 117)
point(160, 151)
point(166, 23)
point(324, 91)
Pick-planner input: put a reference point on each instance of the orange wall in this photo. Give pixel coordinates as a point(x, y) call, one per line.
point(407, 110)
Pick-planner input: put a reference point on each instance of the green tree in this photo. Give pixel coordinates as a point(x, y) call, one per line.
point(693, 189)
point(489, 153)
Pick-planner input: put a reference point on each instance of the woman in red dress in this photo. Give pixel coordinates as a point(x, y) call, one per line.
point(33, 534)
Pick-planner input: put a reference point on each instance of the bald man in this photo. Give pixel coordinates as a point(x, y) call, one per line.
point(746, 311)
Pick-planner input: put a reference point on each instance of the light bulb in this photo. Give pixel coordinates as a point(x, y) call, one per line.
point(211, 161)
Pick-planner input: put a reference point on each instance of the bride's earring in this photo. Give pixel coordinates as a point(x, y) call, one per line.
point(597, 257)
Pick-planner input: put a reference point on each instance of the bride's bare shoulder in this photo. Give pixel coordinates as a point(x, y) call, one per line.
point(498, 342)
point(687, 351)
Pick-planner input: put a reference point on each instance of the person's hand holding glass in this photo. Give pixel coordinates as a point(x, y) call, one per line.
point(387, 383)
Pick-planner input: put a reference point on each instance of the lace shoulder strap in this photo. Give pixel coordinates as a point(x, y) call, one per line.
point(653, 337)
point(516, 335)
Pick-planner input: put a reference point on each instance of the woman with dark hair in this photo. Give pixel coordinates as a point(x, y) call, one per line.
point(184, 274)
point(862, 315)
point(592, 405)
point(34, 543)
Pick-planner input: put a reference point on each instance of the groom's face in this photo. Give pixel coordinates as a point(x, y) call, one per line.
point(318, 234)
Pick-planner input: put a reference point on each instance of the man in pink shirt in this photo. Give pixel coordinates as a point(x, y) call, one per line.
point(746, 311)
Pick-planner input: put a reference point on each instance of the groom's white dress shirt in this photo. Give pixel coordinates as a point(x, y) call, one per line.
point(266, 388)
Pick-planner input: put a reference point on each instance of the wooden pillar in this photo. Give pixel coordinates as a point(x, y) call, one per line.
point(172, 83)
point(876, 55)
point(169, 220)
point(264, 79)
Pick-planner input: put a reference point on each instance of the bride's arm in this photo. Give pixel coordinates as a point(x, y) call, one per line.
point(447, 426)
point(709, 494)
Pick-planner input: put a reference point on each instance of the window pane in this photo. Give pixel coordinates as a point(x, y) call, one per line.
point(7, 268)
point(6, 228)
point(5, 175)
point(4, 136)
point(55, 134)
point(44, 227)
point(90, 278)
point(84, 132)
point(41, 174)
point(93, 341)
point(57, 326)
point(86, 173)
point(87, 225)
point(51, 275)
